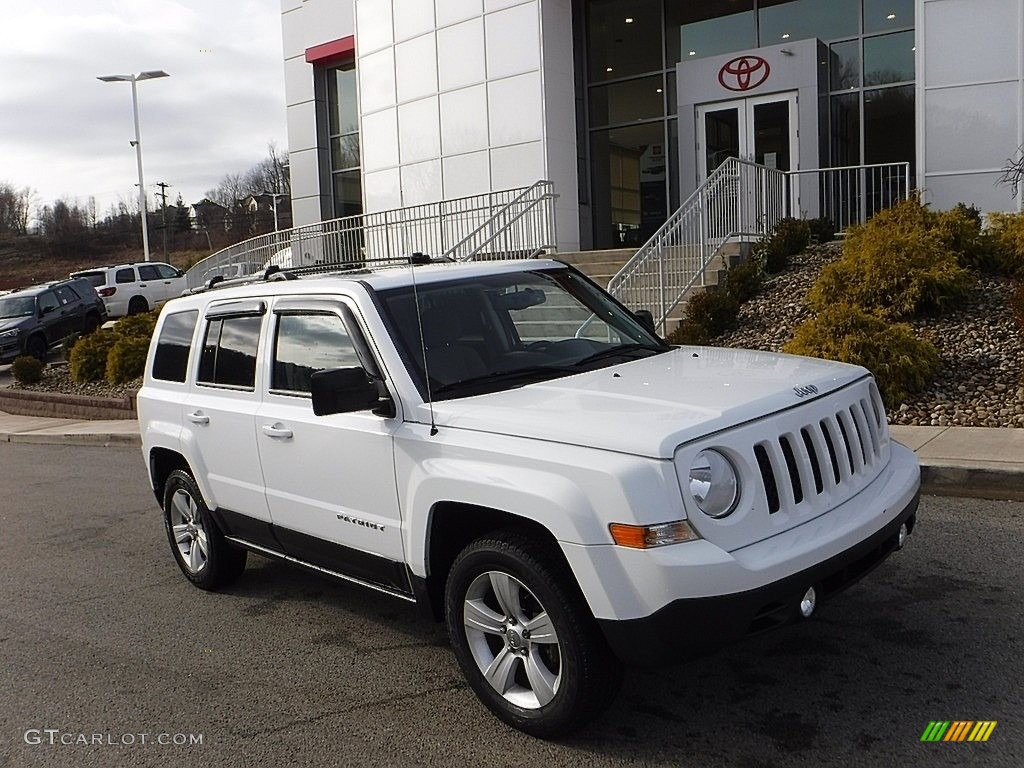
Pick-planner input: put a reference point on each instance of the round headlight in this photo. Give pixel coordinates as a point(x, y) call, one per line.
point(714, 484)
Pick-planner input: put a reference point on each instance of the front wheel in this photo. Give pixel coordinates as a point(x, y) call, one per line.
point(524, 637)
point(199, 548)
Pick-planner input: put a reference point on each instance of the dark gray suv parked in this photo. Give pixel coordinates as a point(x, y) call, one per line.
point(32, 320)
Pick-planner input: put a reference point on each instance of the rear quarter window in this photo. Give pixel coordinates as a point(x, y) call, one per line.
point(170, 363)
point(95, 279)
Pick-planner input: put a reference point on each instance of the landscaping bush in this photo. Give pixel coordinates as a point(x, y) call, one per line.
point(900, 264)
point(713, 310)
point(744, 281)
point(127, 359)
point(689, 333)
point(823, 230)
point(1007, 234)
point(1017, 306)
point(960, 230)
point(88, 358)
point(27, 369)
point(789, 238)
point(141, 325)
point(901, 362)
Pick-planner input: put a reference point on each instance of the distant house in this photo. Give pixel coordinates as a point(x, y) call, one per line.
point(209, 215)
point(261, 207)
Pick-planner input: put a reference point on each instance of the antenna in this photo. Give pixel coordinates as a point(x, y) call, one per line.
point(419, 258)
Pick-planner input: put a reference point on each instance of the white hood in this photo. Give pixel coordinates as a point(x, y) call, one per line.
point(649, 407)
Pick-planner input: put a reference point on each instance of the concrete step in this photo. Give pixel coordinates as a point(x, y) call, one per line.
point(577, 258)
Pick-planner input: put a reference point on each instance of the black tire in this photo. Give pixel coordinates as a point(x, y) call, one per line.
point(36, 347)
point(137, 305)
point(588, 674)
point(223, 562)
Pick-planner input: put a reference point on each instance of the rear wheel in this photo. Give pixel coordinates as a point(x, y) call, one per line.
point(199, 548)
point(36, 347)
point(524, 637)
point(137, 305)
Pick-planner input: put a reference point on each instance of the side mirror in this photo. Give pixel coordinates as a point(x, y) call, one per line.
point(342, 390)
point(646, 318)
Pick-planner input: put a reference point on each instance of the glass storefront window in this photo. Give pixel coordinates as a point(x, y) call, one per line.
point(889, 59)
point(844, 66)
point(845, 129)
point(629, 167)
point(344, 113)
point(694, 30)
point(883, 15)
point(343, 127)
point(624, 38)
point(889, 125)
point(348, 195)
point(781, 20)
point(627, 102)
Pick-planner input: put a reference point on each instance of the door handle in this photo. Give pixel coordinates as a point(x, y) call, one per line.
point(278, 431)
point(142, 285)
point(198, 417)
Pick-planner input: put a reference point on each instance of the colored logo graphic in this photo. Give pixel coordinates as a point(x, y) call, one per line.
point(744, 73)
point(958, 730)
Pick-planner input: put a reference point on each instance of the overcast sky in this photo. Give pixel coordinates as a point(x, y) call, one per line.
point(66, 134)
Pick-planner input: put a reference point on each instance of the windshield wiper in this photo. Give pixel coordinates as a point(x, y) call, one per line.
point(537, 372)
point(621, 349)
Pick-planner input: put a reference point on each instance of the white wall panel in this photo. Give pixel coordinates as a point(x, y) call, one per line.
point(416, 68)
point(968, 41)
point(978, 112)
point(517, 166)
point(515, 111)
point(464, 120)
point(460, 55)
point(373, 25)
point(513, 41)
point(466, 175)
point(452, 11)
point(421, 183)
point(376, 74)
point(379, 139)
point(382, 190)
point(419, 132)
point(412, 18)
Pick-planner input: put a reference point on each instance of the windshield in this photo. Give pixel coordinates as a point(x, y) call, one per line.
point(495, 332)
point(17, 306)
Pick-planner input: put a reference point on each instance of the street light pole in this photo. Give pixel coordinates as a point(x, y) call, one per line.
point(133, 79)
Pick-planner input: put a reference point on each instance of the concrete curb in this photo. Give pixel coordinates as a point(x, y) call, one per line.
point(972, 481)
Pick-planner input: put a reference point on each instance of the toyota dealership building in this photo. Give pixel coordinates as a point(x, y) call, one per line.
point(627, 105)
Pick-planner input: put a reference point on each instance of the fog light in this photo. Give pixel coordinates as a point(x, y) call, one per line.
point(808, 603)
point(901, 538)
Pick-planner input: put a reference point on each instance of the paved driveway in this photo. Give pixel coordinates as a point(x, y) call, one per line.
point(101, 635)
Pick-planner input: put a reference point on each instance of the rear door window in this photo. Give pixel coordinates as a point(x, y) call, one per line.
point(125, 275)
point(66, 296)
point(148, 273)
point(229, 352)
point(170, 362)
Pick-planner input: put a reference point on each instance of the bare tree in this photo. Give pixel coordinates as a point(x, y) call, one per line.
point(15, 208)
point(1013, 172)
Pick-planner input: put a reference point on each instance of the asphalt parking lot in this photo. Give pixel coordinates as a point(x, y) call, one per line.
point(100, 634)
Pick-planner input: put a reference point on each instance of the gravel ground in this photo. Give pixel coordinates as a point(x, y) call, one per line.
point(57, 379)
point(981, 349)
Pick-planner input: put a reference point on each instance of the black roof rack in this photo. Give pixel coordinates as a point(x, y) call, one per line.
point(274, 272)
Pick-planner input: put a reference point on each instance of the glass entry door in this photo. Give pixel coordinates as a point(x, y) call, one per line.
point(761, 128)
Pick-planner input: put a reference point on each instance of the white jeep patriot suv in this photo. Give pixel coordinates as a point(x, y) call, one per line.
point(506, 445)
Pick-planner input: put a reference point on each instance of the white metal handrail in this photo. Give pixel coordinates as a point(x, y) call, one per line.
point(520, 220)
point(527, 220)
point(848, 195)
point(739, 200)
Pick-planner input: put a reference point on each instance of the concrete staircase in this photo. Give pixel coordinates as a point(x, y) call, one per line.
point(601, 266)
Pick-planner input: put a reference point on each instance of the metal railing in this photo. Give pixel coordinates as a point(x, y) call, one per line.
point(739, 200)
point(848, 195)
point(515, 222)
point(523, 228)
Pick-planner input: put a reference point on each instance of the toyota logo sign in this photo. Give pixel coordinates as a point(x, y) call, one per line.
point(744, 73)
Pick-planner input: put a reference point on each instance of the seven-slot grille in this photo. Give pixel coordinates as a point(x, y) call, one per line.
point(835, 450)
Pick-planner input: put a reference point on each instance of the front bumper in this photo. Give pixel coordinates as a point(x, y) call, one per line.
point(704, 623)
point(10, 349)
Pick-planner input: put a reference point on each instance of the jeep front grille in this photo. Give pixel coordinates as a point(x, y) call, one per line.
point(822, 455)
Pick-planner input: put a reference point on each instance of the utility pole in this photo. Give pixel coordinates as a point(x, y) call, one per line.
point(163, 209)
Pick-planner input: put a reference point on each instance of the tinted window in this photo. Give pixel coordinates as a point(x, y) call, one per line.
point(48, 300)
point(125, 276)
point(229, 352)
point(306, 344)
point(148, 273)
point(166, 272)
point(95, 279)
point(171, 360)
point(66, 296)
